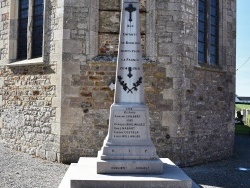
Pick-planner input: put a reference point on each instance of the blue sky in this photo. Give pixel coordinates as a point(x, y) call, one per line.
point(243, 48)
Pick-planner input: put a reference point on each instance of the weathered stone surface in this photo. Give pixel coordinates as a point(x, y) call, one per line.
point(110, 22)
point(110, 5)
point(129, 167)
point(108, 44)
point(27, 92)
point(115, 5)
point(77, 176)
point(174, 83)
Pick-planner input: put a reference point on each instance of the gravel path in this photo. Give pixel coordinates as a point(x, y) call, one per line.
point(19, 170)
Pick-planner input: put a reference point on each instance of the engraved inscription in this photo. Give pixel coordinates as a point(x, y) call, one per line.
point(124, 168)
point(129, 34)
point(129, 124)
point(142, 168)
point(133, 68)
point(131, 51)
point(131, 60)
point(130, 25)
point(118, 168)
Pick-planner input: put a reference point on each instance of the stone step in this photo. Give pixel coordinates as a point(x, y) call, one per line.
point(84, 174)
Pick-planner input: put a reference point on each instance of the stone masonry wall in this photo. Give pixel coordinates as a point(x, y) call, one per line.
point(190, 105)
point(86, 94)
point(60, 110)
point(27, 111)
point(4, 17)
point(91, 106)
point(30, 94)
point(4, 25)
point(109, 26)
point(200, 125)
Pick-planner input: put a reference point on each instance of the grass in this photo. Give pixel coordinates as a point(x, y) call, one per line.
point(242, 106)
point(242, 129)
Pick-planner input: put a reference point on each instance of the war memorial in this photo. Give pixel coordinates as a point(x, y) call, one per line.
point(58, 66)
point(128, 157)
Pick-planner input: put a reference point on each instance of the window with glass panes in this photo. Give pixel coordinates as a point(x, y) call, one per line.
point(208, 31)
point(30, 13)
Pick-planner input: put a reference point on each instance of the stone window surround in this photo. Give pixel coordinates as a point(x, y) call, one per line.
point(207, 66)
point(12, 51)
point(151, 47)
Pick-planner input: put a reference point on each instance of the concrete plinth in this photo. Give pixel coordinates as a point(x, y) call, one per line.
point(129, 167)
point(128, 147)
point(84, 175)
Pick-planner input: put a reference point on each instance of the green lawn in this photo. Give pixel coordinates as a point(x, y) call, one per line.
point(242, 106)
point(242, 129)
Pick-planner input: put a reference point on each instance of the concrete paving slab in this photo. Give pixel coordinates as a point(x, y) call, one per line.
point(84, 174)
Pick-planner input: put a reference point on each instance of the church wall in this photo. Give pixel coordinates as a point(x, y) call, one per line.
point(30, 94)
point(191, 106)
point(201, 124)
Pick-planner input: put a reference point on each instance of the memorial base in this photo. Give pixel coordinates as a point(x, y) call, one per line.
point(128, 147)
point(84, 175)
point(129, 166)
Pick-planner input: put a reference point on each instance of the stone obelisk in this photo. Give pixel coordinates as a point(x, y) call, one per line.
point(128, 147)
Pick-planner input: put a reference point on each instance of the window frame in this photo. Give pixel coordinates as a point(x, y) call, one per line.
point(13, 36)
point(207, 60)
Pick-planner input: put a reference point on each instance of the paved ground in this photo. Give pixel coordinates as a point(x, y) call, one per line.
point(19, 170)
point(225, 173)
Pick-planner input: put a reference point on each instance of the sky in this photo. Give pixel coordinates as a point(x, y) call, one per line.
point(243, 49)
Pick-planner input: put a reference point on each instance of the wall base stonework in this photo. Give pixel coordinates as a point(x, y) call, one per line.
point(27, 111)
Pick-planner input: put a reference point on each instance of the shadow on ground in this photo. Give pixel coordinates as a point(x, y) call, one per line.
point(231, 173)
